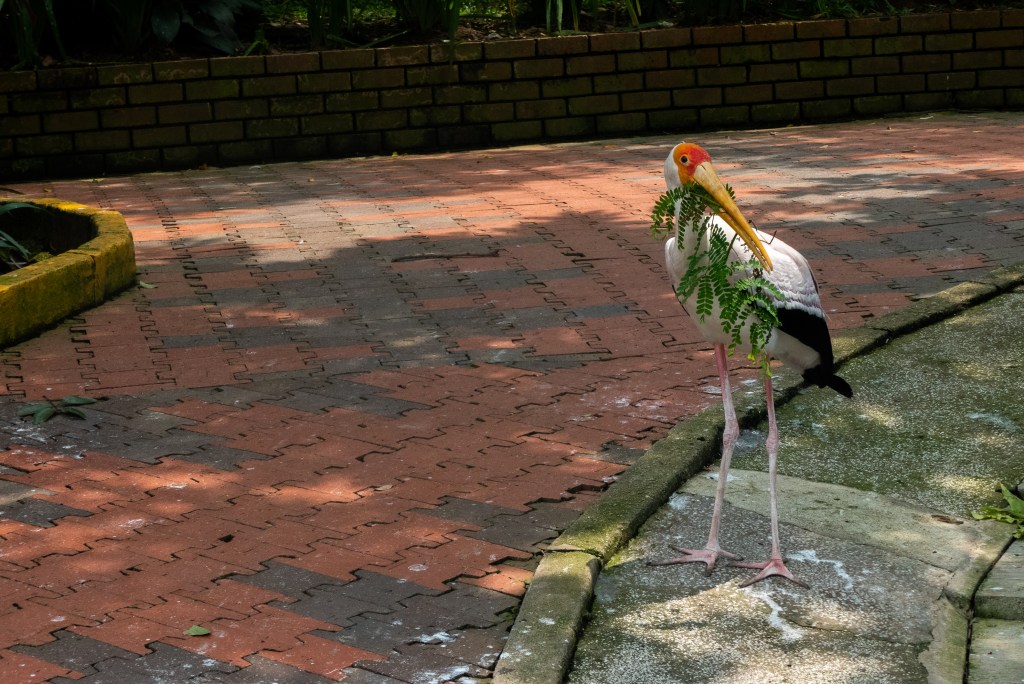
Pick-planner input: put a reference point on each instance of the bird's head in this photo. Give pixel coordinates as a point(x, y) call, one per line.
point(687, 164)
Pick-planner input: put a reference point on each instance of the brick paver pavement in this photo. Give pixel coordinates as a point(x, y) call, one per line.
point(361, 395)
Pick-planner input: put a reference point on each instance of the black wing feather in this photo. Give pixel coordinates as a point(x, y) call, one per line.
point(811, 330)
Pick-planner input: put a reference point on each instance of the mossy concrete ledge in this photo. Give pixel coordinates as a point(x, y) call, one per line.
point(41, 295)
point(540, 647)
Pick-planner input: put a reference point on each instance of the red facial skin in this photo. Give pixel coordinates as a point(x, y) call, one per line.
point(688, 157)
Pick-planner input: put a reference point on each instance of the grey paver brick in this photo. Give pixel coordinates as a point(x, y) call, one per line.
point(164, 664)
point(510, 532)
point(357, 675)
point(380, 634)
point(475, 512)
point(75, 652)
point(424, 663)
point(221, 457)
point(464, 606)
point(329, 604)
point(286, 579)
point(39, 512)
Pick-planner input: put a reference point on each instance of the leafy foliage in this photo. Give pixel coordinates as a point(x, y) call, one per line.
point(32, 31)
point(328, 21)
point(746, 300)
point(29, 30)
point(9, 247)
point(209, 21)
point(42, 411)
point(1013, 513)
point(129, 21)
point(424, 16)
point(12, 253)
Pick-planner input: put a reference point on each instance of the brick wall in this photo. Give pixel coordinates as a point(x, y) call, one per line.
point(233, 110)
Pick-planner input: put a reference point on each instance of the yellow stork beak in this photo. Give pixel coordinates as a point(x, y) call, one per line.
point(705, 174)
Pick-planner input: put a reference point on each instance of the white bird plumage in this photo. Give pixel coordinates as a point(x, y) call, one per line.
point(801, 340)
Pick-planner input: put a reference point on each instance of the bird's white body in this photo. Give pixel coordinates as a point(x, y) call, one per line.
point(790, 273)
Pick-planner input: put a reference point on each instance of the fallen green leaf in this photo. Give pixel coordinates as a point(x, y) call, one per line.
point(146, 285)
point(1013, 514)
point(29, 409)
point(1015, 504)
point(196, 630)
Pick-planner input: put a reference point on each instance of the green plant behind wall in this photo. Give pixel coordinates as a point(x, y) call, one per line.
point(29, 21)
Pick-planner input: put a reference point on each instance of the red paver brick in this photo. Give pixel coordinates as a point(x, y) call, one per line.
point(127, 631)
point(321, 656)
point(334, 561)
point(556, 341)
point(231, 641)
point(240, 597)
point(20, 667)
point(433, 567)
point(508, 580)
point(181, 613)
point(211, 367)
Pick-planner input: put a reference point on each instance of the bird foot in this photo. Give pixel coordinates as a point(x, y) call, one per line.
point(770, 567)
point(709, 555)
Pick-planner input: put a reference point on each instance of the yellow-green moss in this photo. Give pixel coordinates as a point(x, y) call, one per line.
point(42, 294)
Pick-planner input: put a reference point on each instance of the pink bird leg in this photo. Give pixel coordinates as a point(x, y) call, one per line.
point(774, 565)
point(711, 552)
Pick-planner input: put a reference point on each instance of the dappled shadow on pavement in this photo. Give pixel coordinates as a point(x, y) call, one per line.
point(354, 398)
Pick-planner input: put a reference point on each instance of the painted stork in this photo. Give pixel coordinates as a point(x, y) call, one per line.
point(801, 339)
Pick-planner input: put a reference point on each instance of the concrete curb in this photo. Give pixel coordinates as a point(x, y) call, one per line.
point(38, 296)
point(541, 656)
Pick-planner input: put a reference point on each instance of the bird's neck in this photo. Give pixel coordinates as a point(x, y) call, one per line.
point(688, 235)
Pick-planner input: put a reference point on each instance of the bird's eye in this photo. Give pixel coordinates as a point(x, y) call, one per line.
point(684, 159)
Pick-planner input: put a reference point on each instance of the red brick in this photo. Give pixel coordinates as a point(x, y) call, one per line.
point(979, 19)
point(614, 42)
point(873, 26)
point(924, 23)
point(20, 667)
point(563, 45)
point(457, 52)
point(717, 35)
point(292, 63)
point(769, 33)
point(461, 556)
point(824, 28)
point(128, 632)
point(666, 38)
point(510, 49)
point(324, 657)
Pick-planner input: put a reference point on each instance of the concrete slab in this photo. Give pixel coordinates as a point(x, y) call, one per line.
point(959, 546)
point(869, 615)
point(934, 420)
point(875, 509)
point(1001, 595)
point(997, 652)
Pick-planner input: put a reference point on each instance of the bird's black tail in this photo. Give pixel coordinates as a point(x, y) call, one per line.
point(818, 376)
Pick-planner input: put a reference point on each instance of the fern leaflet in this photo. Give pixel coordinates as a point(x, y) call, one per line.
point(746, 300)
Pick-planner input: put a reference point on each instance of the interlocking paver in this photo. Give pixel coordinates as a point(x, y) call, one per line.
point(346, 401)
point(164, 663)
point(77, 653)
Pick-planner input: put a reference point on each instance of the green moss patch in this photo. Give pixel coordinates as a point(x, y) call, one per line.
point(40, 295)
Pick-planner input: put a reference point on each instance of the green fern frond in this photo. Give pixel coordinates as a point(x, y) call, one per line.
point(738, 288)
